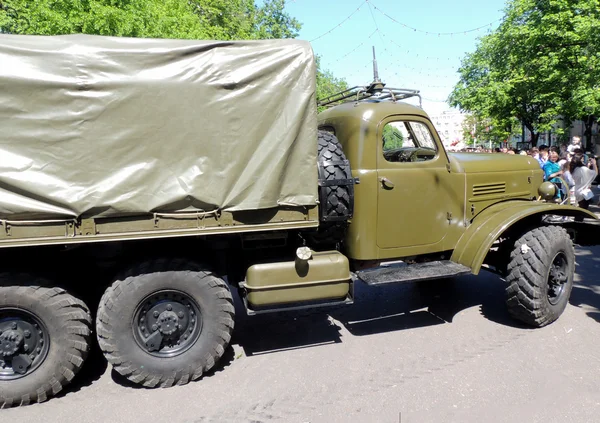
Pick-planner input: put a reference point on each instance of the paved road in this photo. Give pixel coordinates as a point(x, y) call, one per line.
point(446, 355)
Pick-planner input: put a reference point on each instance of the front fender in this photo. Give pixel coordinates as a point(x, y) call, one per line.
point(491, 223)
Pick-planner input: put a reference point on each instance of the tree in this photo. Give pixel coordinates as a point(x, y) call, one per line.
point(327, 83)
point(392, 137)
point(541, 64)
point(193, 19)
point(477, 128)
point(272, 22)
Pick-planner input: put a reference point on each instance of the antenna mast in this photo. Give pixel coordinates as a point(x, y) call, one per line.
point(375, 71)
point(376, 86)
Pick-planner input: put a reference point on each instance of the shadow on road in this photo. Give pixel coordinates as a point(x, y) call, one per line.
point(586, 291)
point(93, 368)
point(376, 310)
point(224, 362)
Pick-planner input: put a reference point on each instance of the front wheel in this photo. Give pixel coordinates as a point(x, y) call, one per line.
point(540, 275)
point(165, 322)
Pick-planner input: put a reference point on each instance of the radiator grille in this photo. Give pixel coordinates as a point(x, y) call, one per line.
point(488, 189)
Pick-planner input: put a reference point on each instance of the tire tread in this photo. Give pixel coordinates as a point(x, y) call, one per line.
point(106, 312)
point(76, 320)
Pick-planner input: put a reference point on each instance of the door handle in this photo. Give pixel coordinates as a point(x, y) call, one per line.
point(386, 183)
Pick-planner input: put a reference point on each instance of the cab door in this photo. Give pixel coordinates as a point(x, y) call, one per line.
point(413, 201)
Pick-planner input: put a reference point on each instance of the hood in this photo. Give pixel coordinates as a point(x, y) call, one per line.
point(491, 162)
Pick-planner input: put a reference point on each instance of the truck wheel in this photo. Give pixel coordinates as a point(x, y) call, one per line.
point(165, 322)
point(44, 340)
point(540, 275)
point(336, 191)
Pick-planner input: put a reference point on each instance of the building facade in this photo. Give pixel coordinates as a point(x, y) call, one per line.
point(449, 124)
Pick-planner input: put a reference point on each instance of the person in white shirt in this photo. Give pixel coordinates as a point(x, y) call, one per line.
point(575, 144)
point(583, 177)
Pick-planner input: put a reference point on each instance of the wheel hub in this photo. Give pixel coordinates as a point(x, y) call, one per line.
point(10, 342)
point(24, 343)
point(557, 278)
point(167, 323)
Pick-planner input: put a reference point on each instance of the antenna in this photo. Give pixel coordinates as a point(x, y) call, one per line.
point(375, 71)
point(376, 86)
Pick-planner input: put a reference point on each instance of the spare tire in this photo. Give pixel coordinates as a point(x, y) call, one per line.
point(336, 191)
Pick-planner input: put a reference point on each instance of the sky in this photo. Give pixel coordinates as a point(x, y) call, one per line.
point(419, 44)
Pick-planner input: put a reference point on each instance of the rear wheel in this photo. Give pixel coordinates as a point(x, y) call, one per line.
point(44, 340)
point(540, 275)
point(165, 322)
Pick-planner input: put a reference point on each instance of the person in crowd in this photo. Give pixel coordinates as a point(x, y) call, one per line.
point(564, 162)
point(552, 171)
point(583, 177)
point(575, 144)
point(563, 149)
point(543, 156)
point(534, 152)
point(585, 157)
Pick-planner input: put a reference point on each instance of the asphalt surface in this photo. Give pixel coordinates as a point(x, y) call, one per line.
point(442, 352)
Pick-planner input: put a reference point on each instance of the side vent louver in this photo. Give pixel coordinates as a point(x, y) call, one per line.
point(489, 189)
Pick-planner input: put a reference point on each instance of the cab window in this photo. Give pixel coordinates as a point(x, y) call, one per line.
point(408, 141)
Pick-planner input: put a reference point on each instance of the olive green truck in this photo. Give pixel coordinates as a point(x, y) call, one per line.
point(162, 174)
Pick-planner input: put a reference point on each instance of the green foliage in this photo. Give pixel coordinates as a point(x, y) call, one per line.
point(193, 19)
point(392, 138)
point(190, 19)
point(541, 64)
point(272, 22)
point(327, 83)
point(483, 130)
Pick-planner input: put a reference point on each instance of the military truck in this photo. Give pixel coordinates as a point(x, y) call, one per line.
point(167, 174)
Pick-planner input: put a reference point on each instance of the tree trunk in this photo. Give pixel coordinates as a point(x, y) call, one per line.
point(534, 138)
point(588, 122)
point(534, 135)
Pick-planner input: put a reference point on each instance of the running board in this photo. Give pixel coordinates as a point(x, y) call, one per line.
point(400, 273)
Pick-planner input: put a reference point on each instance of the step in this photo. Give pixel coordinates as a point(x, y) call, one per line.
point(402, 272)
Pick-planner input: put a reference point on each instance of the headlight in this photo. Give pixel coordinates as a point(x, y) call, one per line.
point(547, 191)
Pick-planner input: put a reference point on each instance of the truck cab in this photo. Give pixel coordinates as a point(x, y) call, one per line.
point(415, 198)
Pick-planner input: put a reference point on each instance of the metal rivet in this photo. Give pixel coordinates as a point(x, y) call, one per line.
point(39, 350)
point(180, 314)
point(143, 329)
point(26, 346)
point(154, 327)
point(185, 336)
point(179, 327)
point(155, 314)
point(27, 334)
point(41, 342)
point(169, 307)
point(193, 320)
point(14, 325)
point(191, 330)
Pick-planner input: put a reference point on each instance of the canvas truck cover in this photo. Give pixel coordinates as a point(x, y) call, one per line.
point(100, 126)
